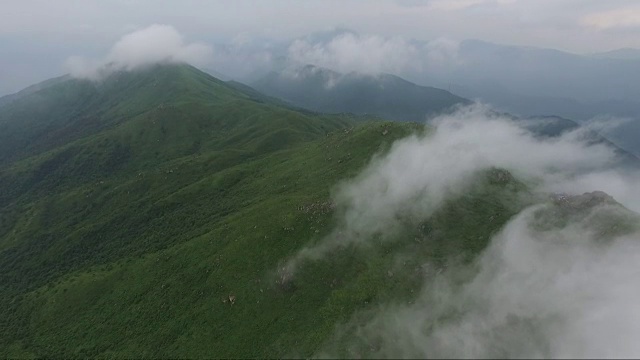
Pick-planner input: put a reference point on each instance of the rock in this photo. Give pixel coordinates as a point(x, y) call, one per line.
point(285, 281)
point(582, 202)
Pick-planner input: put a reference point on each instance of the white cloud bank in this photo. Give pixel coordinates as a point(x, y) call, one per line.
point(350, 52)
point(561, 291)
point(151, 45)
point(420, 173)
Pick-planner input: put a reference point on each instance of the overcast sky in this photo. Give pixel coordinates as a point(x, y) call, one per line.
point(37, 37)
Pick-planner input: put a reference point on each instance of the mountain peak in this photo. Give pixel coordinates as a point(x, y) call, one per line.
point(68, 108)
point(384, 95)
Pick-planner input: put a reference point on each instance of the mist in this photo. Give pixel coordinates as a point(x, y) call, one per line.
point(556, 293)
point(151, 45)
point(348, 52)
point(541, 288)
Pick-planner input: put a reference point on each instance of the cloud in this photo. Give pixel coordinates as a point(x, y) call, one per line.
point(421, 173)
point(441, 54)
point(341, 50)
point(349, 52)
point(553, 293)
point(245, 58)
point(628, 17)
point(154, 44)
point(346, 51)
point(545, 286)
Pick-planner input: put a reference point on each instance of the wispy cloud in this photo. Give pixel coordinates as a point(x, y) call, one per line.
point(154, 44)
point(542, 287)
point(352, 52)
point(421, 173)
point(559, 292)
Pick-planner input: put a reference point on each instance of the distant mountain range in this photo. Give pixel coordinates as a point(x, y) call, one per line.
point(522, 80)
point(539, 72)
point(384, 95)
point(391, 97)
point(529, 81)
point(623, 54)
point(553, 126)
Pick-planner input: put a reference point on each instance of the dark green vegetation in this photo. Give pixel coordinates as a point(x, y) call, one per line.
point(384, 95)
point(147, 216)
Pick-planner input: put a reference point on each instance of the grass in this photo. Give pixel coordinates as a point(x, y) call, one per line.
point(145, 266)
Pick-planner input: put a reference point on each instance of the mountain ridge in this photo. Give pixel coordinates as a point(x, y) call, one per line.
point(384, 95)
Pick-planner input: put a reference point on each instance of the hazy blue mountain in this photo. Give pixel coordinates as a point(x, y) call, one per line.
point(624, 54)
point(546, 72)
point(530, 81)
point(536, 81)
point(383, 95)
point(553, 126)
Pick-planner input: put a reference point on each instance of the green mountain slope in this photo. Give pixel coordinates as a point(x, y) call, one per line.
point(385, 95)
point(148, 217)
point(93, 174)
point(74, 109)
point(31, 89)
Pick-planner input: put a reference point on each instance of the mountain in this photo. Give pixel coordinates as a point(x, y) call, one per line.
point(149, 215)
point(31, 89)
point(554, 126)
point(96, 175)
point(529, 81)
point(504, 73)
point(622, 54)
point(74, 109)
point(131, 208)
point(531, 71)
point(383, 95)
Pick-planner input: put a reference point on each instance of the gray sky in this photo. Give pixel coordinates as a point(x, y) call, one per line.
point(37, 37)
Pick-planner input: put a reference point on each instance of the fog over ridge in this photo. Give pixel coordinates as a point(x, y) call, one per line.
point(153, 44)
point(540, 288)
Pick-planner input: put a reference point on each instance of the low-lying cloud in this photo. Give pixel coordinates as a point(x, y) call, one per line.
point(540, 289)
point(151, 45)
point(557, 293)
point(420, 173)
point(348, 51)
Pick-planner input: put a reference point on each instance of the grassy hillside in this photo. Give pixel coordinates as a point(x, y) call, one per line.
point(146, 266)
point(144, 220)
point(73, 109)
